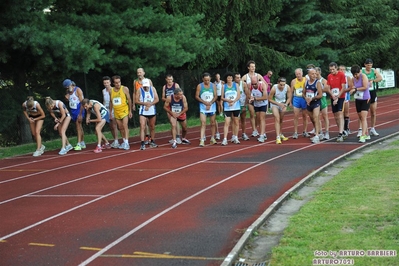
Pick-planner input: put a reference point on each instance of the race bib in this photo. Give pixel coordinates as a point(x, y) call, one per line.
point(117, 101)
point(335, 91)
point(309, 94)
point(359, 95)
point(207, 96)
point(73, 105)
point(231, 95)
point(298, 92)
point(176, 109)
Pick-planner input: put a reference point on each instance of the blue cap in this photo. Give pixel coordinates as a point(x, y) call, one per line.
point(67, 83)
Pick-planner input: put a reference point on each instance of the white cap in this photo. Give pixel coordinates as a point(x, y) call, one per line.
point(145, 83)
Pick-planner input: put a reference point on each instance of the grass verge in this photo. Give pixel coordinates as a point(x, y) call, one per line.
point(357, 210)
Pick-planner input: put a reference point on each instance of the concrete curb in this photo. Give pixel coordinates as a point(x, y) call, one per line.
point(234, 253)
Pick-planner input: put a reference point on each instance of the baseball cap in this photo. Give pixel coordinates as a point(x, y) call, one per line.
point(368, 61)
point(145, 83)
point(66, 83)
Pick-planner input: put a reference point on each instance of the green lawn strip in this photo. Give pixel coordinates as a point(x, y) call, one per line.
point(357, 210)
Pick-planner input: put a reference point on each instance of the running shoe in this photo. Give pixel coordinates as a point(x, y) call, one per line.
point(185, 141)
point(115, 144)
point(278, 140)
point(345, 134)
point(174, 144)
point(359, 133)
point(224, 142)
point(202, 143)
point(261, 139)
point(126, 147)
point(98, 149)
point(217, 136)
point(63, 151)
point(232, 138)
point(171, 141)
point(305, 134)
point(37, 153)
point(312, 132)
point(106, 146)
point(213, 141)
point(295, 136)
point(153, 144)
point(283, 138)
point(42, 148)
point(362, 139)
point(255, 133)
point(77, 147)
point(340, 138)
point(316, 140)
point(326, 136)
point(142, 147)
point(147, 140)
point(178, 140)
point(122, 145)
point(373, 132)
point(236, 141)
point(83, 145)
point(245, 137)
point(68, 147)
point(368, 137)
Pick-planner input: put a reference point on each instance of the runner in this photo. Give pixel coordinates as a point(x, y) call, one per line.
point(121, 108)
point(247, 79)
point(324, 105)
point(168, 90)
point(106, 99)
point(231, 106)
point(342, 68)
point(337, 82)
point(312, 95)
point(137, 84)
point(280, 98)
point(74, 96)
point(147, 98)
point(374, 77)
point(35, 115)
point(360, 88)
point(62, 118)
point(244, 96)
point(102, 117)
point(259, 101)
point(299, 103)
point(176, 106)
point(206, 96)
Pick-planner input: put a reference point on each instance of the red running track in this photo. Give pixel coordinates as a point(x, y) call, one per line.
point(160, 206)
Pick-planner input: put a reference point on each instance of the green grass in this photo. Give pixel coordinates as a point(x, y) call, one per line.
point(356, 210)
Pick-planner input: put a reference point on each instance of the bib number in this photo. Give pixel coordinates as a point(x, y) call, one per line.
point(309, 94)
point(298, 92)
point(359, 95)
point(73, 105)
point(117, 101)
point(176, 109)
point(335, 91)
point(207, 96)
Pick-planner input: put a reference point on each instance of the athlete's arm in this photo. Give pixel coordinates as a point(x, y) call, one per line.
point(129, 100)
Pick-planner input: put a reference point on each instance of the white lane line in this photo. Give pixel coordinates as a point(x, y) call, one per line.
point(63, 196)
point(131, 232)
point(116, 191)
